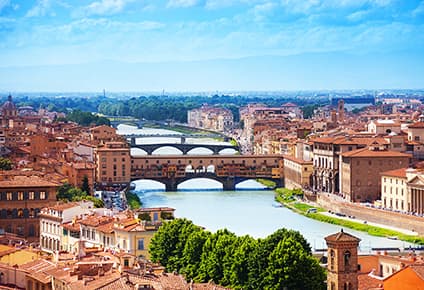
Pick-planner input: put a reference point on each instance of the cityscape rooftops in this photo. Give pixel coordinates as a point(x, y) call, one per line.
point(399, 173)
point(371, 152)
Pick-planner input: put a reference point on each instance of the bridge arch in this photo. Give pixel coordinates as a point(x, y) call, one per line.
point(138, 152)
point(148, 185)
point(200, 151)
point(228, 151)
point(167, 150)
point(191, 184)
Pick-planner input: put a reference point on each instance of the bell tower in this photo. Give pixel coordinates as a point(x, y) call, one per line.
point(342, 261)
point(340, 109)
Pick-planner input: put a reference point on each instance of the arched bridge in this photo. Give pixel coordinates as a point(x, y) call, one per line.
point(184, 148)
point(229, 170)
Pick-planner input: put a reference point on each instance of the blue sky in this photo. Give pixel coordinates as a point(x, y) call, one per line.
point(130, 45)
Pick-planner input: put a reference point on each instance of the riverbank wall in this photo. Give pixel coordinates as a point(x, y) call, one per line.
point(375, 215)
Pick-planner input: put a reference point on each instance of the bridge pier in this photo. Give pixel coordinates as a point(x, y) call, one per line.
point(229, 183)
point(171, 185)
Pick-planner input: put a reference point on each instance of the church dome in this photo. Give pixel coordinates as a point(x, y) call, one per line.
point(8, 108)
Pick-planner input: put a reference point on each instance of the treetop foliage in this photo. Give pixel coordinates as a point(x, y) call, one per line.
point(283, 259)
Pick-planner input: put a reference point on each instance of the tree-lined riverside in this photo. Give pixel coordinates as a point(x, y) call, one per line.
point(283, 259)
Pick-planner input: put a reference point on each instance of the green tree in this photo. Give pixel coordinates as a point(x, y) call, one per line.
point(144, 216)
point(239, 278)
point(98, 203)
point(5, 164)
point(192, 253)
point(167, 245)
point(216, 257)
point(258, 260)
point(85, 187)
point(291, 267)
point(67, 192)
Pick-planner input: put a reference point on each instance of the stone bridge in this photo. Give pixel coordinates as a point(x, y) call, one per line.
point(227, 169)
point(184, 147)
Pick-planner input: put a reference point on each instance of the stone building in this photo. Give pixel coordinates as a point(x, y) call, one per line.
point(297, 173)
point(51, 220)
point(327, 162)
point(113, 163)
point(212, 118)
point(22, 198)
point(361, 168)
point(342, 261)
point(394, 192)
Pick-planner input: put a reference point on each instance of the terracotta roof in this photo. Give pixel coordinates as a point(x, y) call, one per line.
point(26, 181)
point(401, 173)
point(417, 125)
point(64, 205)
point(418, 269)
point(95, 221)
point(369, 282)
point(106, 228)
point(366, 152)
point(342, 237)
point(297, 160)
point(72, 226)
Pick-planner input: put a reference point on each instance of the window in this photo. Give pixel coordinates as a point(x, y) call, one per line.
point(20, 195)
point(8, 195)
point(332, 259)
point(126, 263)
point(346, 259)
point(140, 244)
point(42, 195)
point(93, 235)
point(31, 195)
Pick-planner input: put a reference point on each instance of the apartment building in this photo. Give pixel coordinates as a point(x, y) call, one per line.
point(51, 220)
point(113, 163)
point(361, 168)
point(22, 198)
point(297, 172)
point(211, 118)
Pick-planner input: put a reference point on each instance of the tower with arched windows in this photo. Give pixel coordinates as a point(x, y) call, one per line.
point(342, 261)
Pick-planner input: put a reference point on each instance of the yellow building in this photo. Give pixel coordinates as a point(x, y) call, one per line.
point(297, 172)
point(394, 192)
point(134, 237)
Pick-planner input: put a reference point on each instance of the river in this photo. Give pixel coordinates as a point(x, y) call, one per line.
point(244, 211)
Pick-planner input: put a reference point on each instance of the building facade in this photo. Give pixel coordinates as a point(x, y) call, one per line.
point(342, 264)
point(22, 198)
point(361, 168)
point(51, 220)
point(113, 163)
point(297, 173)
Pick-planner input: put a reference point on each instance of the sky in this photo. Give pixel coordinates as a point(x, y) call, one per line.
point(202, 45)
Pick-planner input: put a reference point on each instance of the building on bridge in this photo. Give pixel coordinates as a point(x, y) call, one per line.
point(227, 169)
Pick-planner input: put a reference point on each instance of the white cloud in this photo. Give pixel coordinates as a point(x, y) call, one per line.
point(181, 3)
point(419, 10)
point(40, 9)
point(105, 7)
